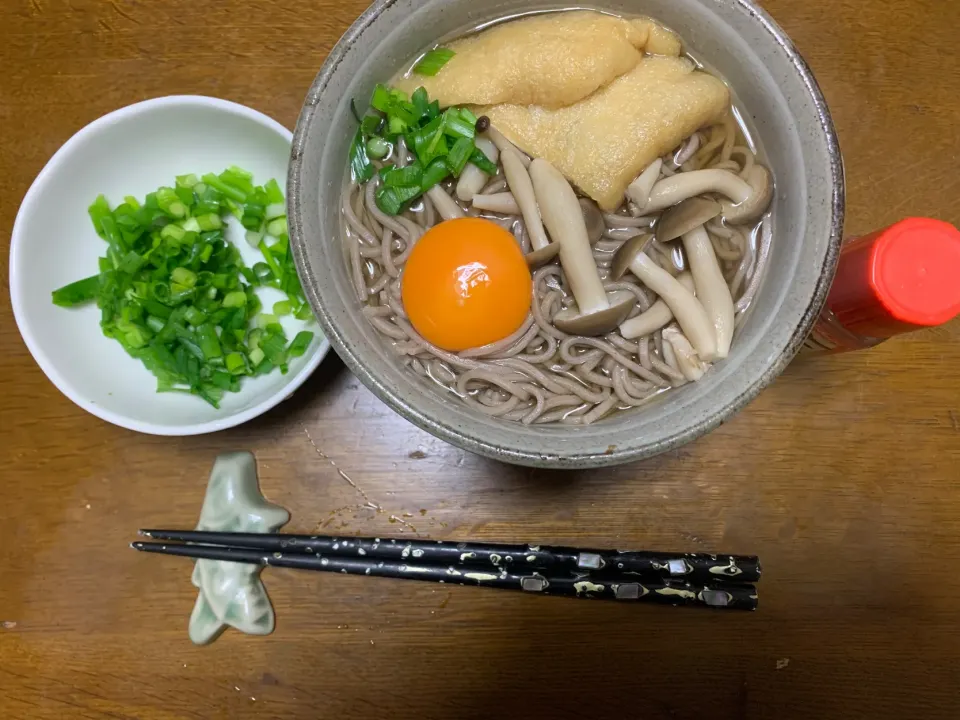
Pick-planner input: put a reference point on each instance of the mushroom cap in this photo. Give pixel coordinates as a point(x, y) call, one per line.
point(539, 258)
point(627, 252)
point(686, 216)
point(593, 219)
point(601, 322)
point(753, 207)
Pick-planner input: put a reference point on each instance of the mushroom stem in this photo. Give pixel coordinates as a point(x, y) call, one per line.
point(596, 312)
point(687, 150)
point(681, 186)
point(446, 206)
point(503, 202)
point(639, 190)
point(522, 188)
point(472, 179)
point(691, 366)
point(564, 218)
point(712, 290)
point(659, 315)
point(685, 307)
point(498, 139)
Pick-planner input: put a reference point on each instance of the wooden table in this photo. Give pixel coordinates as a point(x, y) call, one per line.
point(844, 476)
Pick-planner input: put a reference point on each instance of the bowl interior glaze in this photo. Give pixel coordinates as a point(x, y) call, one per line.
point(785, 108)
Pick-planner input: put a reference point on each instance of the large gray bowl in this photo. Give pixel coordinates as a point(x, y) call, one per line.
point(776, 88)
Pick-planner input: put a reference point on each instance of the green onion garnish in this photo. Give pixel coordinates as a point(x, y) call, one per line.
point(176, 295)
point(431, 63)
point(442, 144)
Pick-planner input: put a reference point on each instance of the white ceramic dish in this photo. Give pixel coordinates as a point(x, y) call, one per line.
point(133, 151)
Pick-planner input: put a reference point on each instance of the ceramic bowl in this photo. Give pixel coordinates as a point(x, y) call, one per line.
point(133, 151)
point(774, 86)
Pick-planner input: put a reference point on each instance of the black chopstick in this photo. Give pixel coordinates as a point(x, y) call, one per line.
point(652, 590)
point(693, 567)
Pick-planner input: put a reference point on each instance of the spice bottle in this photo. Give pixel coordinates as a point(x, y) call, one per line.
point(902, 278)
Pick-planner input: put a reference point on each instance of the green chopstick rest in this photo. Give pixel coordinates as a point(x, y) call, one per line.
point(232, 594)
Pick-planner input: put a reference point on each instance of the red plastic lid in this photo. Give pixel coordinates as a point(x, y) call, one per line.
point(901, 278)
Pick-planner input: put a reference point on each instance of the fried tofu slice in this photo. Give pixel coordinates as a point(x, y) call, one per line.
point(550, 59)
point(603, 142)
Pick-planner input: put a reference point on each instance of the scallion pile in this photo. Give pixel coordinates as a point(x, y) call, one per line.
point(176, 294)
point(442, 144)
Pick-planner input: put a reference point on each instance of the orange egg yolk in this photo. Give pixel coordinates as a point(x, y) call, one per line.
point(466, 284)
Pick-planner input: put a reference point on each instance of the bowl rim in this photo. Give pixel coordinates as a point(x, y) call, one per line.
point(578, 459)
point(47, 365)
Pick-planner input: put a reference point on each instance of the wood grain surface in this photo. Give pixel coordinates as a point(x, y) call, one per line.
point(844, 476)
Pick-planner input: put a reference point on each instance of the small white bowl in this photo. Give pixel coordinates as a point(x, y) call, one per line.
point(133, 151)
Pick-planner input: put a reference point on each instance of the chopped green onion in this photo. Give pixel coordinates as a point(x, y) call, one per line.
point(282, 308)
point(194, 316)
point(459, 154)
point(77, 293)
point(304, 313)
point(237, 298)
point(431, 63)
point(382, 99)
point(402, 177)
point(187, 181)
point(361, 169)
point(277, 227)
point(235, 363)
point(176, 295)
point(300, 344)
point(420, 101)
point(209, 222)
point(172, 232)
point(264, 320)
point(378, 148)
point(209, 342)
point(275, 210)
point(436, 173)
point(274, 346)
point(183, 276)
point(455, 125)
point(392, 199)
point(273, 191)
point(371, 124)
point(483, 162)
point(253, 238)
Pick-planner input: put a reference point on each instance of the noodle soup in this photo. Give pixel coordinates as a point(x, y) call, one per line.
point(551, 228)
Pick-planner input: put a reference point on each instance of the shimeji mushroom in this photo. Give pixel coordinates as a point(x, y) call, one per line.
point(498, 139)
point(690, 365)
point(472, 179)
point(446, 205)
point(639, 190)
point(503, 202)
point(521, 186)
point(593, 219)
point(596, 312)
point(659, 315)
point(748, 198)
point(684, 217)
point(685, 307)
point(686, 220)
point(712, 289)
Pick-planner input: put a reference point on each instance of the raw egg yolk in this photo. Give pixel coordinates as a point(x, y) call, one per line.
point(466, 284)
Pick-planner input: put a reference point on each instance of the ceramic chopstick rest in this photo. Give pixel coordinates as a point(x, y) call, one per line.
point(232, 594)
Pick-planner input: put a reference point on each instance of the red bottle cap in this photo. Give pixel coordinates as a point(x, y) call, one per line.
point(902, 278)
